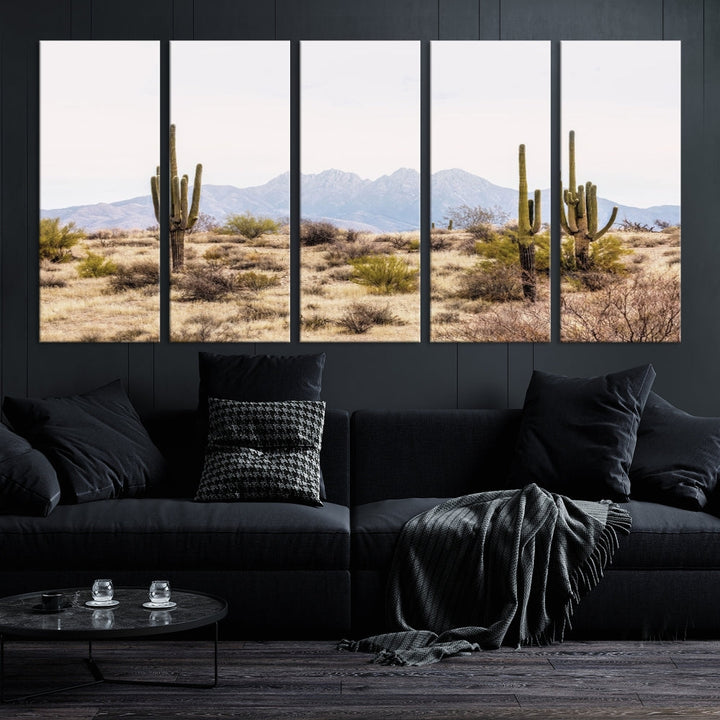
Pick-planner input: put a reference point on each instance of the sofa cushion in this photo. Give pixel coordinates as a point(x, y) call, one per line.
point(677, 456)
point(95, 441)
point(156, 534)
point(578, 435)
point(376, 527)
point(263, 451)
point(662, 537)
point(666, 538)
point(28, 482)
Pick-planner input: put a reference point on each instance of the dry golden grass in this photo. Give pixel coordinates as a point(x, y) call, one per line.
point(74, 309)
point(457, 319)
point(247, 312)
point(329, 294)
point(643, 305)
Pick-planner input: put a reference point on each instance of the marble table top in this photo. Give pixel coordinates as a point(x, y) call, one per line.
point(127, 619)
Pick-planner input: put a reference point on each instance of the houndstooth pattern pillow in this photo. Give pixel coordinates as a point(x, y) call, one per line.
point(263, 451)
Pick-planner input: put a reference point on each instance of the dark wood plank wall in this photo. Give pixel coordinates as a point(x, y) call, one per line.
point(164, 375)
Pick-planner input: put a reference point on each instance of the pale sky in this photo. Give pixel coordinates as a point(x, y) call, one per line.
point(622, 98)
point(230, 102)
point(488, 98)
point(99, 120)
point(360, 106)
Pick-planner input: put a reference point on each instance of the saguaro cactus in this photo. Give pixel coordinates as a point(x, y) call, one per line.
point(181, 218)
point(581, 221)
point(528, 226)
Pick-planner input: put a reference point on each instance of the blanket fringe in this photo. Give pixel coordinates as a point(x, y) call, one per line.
point(587, 575)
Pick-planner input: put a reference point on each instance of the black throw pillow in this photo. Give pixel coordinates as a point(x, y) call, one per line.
point(577, 435)
point(258, 378)
point(96, 443)
point(677, 456)
point(28, 482)
point(263, 451)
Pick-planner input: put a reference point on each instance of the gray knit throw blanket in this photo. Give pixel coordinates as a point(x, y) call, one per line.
point(502, 567)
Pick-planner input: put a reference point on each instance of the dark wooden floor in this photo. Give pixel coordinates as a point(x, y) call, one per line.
point(282, 680)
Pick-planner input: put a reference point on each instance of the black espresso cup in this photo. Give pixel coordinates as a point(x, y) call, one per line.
point(52, 601)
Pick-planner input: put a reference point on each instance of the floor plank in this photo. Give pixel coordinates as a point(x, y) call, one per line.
point(304, 680)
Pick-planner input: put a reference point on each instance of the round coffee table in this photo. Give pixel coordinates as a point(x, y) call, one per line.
point(19, 617)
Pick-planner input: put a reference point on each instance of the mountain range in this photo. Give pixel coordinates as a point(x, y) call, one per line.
point(388, 204)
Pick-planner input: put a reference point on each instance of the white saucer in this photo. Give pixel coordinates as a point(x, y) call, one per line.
point(160, 606)
point(102, 603)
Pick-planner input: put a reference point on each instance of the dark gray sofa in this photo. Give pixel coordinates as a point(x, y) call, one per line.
point(290, 570)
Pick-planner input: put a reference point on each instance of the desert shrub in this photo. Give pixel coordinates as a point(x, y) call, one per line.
point(254, 312)
point(491, 281)
point(136, 275)
point(249, 226)
point(478, 221)
point(256, 281)
point(57, 241)
point(509, 322)
point(360, 317)
point(352, 236)
point(263, 261)
point(606, 256)
point(49, 281)
point(95, 266)
point(205, 223)
point(341, 253)
point(315, 322)
point(208, 284)
point(643, 309)
point(384, 275)
point(607, 253)
point(503, 248)
point(315, 232)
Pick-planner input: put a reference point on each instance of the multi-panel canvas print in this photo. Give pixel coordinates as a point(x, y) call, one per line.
point(360, 191)
point(490, 211)
point(620, 212)
point(223, 202)
point(229, 219)
point(99, 145)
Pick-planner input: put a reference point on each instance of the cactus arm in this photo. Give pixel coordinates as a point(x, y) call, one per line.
point(175, 204)
point(195, 206)
point(580, 206)
point(155, 192)
point(609, 224)
point(184, 200)
point(173, 153)
point(591, 207)
point(523, 207)
point(563, 220)
point(536, 221)
point(572, 182)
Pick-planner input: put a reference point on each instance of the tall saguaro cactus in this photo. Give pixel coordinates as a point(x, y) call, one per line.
point(182, 218)
point(581, 221)
point(528, 226)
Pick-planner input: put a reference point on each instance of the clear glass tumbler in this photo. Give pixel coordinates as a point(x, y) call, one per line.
point(159, 591)
point(103, 590)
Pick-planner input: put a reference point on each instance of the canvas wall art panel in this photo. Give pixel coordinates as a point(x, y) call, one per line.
point(98, 246)
point(620, 211)
point(360, 191)
point(229, 234)
point(490, 211)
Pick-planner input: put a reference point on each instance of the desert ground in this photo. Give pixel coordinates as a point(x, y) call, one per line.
point(355, 287)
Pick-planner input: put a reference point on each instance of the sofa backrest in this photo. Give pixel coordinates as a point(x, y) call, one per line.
point(429, 453)
point(178, 437)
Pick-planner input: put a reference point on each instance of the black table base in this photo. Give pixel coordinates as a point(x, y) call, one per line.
point(99, 678)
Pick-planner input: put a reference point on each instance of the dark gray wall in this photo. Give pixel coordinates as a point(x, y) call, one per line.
point(428, 375)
